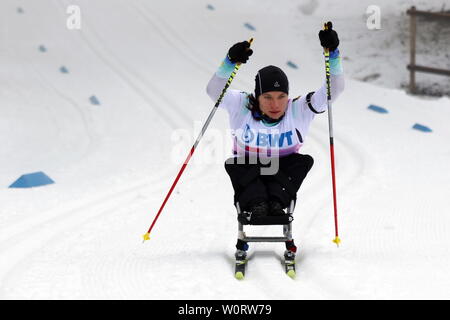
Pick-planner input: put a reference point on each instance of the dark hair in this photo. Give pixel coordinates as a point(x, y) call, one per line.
point(257, 114)
point(253, 106)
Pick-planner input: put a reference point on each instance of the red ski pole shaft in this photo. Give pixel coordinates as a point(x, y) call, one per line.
point(191, 152)
point(147, 235)
point(333, 178)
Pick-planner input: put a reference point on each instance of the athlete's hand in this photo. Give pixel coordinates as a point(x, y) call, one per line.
point(240, 52)
point(328, 37)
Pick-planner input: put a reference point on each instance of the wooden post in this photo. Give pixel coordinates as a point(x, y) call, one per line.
point(412, 67)
point(412, 75)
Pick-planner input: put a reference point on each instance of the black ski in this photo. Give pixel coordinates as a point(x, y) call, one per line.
point(289, 263)
point(241, 263)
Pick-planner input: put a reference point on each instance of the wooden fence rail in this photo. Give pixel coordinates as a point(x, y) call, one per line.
point(412, 67)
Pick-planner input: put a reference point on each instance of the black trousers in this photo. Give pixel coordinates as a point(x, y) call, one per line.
point(251, 184)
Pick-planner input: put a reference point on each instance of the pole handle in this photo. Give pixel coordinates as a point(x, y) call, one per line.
point(249, 41)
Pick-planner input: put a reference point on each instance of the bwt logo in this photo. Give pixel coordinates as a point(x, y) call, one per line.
point(74, 20)
point(267, 139)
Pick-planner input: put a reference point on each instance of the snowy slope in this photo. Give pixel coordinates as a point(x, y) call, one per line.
point(113, 163)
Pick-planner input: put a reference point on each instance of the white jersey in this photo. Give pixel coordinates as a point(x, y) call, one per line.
point(257, 137)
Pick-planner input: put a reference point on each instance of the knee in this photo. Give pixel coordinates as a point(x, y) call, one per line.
point(229, 164)
point(304, 160)
point(302, 165)
point(309, 161)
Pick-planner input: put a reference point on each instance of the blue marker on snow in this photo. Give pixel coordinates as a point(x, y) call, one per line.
point(422, 128)
point(249, 26)
point(30, 180)
point(292, 65)
point(94, 100)
point(377, 109)
point(63, 70)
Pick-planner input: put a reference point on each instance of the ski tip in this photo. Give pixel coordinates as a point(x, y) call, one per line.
point(239, 275)
point(146, 237)
point(291, 274)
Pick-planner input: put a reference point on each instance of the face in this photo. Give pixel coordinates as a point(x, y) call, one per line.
point(273, 103)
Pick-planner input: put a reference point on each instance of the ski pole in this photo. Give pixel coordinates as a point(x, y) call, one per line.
point(330, 127)
point(146, 236)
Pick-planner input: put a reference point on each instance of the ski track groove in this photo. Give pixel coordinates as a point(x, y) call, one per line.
point(62, 227)
point(174, 39)
point(15, 238)
point(180, 115)
point(163, 174)
point(131, 78)
point(90, 147)
point(114, 64)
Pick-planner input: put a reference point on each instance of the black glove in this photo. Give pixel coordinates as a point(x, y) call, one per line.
point(240, 52)
point(329, 38)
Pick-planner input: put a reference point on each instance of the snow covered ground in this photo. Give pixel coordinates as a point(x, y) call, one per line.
point(147, 63)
